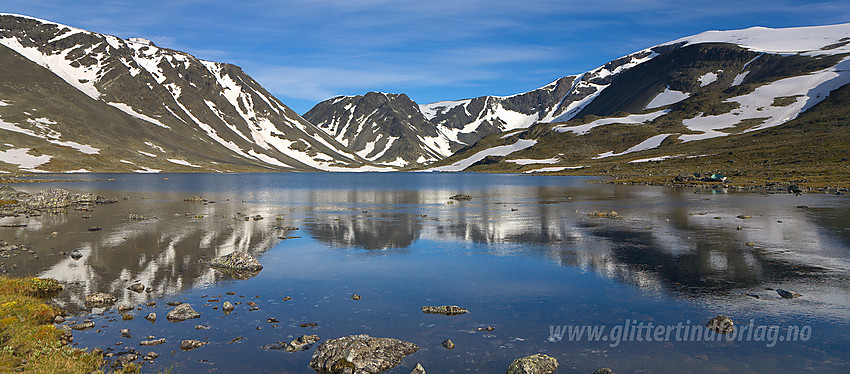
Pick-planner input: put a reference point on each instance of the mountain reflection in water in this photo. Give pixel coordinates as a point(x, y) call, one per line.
point(664, 240)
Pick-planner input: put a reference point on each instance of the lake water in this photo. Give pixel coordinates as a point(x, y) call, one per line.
point(524, 255)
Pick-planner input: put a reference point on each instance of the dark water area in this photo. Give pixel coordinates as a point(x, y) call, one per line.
point(525, 255)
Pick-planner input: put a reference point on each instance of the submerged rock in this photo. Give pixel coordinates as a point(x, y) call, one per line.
point(100, 300)
point(534, 364)
point(721, 325)
point(447, 310)
point(360, 354)
point(182, 312)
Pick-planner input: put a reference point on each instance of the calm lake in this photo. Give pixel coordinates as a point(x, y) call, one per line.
point(525, 255)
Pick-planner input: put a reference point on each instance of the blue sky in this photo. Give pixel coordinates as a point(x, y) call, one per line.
point(307, 51)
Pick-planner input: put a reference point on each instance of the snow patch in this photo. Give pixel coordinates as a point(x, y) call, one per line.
point(786, 40)
point(24, 160)
point(809, 89)
point(145, 169)
point(47, 134)
point(154, 146)
point(550, 169)
point(708, 78)
point(182, 162)
point(661, 158)
point(740, 78)
point(129, 110)
point(668, 97)
point(529, 161)
point(502, 150)
point(627, 120)
point(650, 143)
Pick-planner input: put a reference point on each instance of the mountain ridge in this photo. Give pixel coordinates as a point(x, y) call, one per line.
point(83, 101)
point(194, 101)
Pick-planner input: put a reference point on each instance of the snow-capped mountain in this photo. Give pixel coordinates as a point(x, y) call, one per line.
point(461, 123)
point(386, 129)
point(705, 86)
point(71, 99)
point(724, 86)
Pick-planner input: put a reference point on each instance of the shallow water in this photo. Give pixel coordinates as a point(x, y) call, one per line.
point(523, 256)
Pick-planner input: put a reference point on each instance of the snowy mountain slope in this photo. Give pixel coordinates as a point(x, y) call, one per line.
point(697, 88)
point(386, 129)
point(170, 110)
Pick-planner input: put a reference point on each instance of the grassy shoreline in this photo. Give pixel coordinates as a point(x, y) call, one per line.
point(29, 341)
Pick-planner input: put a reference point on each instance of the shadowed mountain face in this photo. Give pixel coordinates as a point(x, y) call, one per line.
point(83, 100)
point(383, 128)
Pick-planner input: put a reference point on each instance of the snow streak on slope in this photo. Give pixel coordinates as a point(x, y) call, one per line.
point(630, 119)
point(667, 97)
point(133, 76)
point(650, 143)
point(502, 150)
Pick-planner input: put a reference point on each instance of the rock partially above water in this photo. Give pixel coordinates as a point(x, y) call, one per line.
point(152, 342)
point(449, 344)
point(100, 300)
point(182, 312)
point(137, 287)
point(721, 325)
point(85, 325)
point(535, 364)
point(237, 261)
point(787, 294)
point(360, 354)
point(76, 255)
point(418, 369)
point(300, 344)
point(603, 371)
point(447, 310)
point(189, 344)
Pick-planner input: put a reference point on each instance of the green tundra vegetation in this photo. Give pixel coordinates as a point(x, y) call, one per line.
point(29, 342)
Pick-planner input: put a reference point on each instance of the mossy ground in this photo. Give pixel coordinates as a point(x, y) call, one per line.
point(29, 342)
